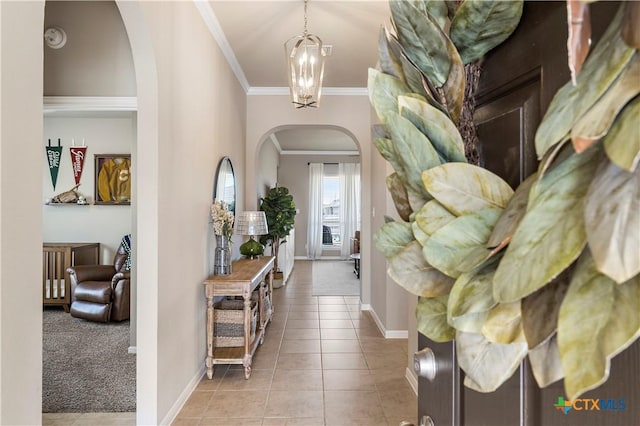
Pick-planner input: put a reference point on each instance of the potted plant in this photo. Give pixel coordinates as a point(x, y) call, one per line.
point(280, 211)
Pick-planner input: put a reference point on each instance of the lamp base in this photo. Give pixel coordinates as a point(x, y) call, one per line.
point(252, 249)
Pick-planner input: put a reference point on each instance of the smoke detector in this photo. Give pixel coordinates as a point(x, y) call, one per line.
point(55, 37)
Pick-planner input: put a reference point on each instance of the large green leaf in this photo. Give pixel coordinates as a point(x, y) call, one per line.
point(471, 298)
point(422, 40)
point(595, 123)
point(545, 362)
point(399, 195)
point(512, 215)
point(410, 270)
point(570, 103)
point(551, 235)
point(389, 62)
point(598, 319)
point(392, 238)
point(480, 25)
point(540, 310)
point(415, 151)
point(465, 188)
point(454, 87)
point(612, 218)
point(414, 77)
point(460, 245)
point(431, 314)
point(486, 364)
point(387, 150)
point(439, 128)
point(437, 9)
point(384, 90)
point(622, 143)
point(420, 236)
point(504, 324)
point(433, 216)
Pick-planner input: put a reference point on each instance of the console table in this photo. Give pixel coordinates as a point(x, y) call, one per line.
point(247, 276)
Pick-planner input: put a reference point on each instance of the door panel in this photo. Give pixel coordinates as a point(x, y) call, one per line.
point(518, 81)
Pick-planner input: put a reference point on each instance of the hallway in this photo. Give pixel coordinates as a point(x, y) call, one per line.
point(323, 362)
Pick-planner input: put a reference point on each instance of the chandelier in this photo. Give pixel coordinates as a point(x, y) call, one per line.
point(305, 60)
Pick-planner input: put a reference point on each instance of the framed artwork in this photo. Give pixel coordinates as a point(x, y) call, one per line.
point(112, 179)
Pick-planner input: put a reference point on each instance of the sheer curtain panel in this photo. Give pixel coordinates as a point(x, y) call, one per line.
point(349, 174)
point(314, 222)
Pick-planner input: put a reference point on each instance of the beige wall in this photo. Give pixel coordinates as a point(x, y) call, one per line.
point(20, 212)
point(200, 118)
point(96, 60)
point(267, 174)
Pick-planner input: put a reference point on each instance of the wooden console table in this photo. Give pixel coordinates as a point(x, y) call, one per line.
point(246, 276)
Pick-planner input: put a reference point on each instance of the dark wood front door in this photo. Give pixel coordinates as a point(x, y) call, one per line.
point(519, 80)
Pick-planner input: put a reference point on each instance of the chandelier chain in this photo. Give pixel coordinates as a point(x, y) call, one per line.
point(305, 17)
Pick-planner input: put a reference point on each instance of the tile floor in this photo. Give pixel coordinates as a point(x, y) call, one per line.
point(323, 362)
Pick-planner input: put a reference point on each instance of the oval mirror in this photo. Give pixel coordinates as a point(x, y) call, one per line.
point(224, 187)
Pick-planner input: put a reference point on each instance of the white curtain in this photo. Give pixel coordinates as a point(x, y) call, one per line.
point(349, 174)
point(314, 222)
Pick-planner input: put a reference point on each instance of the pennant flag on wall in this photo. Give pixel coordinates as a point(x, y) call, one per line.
point(77, 160)
point(53, 157)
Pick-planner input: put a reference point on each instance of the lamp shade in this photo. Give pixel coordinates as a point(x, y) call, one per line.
point(252, 223)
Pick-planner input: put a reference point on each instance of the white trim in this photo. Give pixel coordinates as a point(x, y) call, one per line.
point(412, 379)
point(388, 334)
point(274, 139)
point(302, 152)
point(396, 334)
point(132, 350)
point(51, 104)
point(326, 91)
point(214, 27)
point(183, 397)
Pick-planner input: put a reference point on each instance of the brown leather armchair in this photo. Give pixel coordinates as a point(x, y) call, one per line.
point(102, 292)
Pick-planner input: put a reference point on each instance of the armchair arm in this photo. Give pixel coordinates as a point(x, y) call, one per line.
point(91, 272)
point(123, 275)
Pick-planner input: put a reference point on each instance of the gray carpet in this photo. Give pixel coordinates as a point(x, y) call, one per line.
point(86, 366)
point(335, 278)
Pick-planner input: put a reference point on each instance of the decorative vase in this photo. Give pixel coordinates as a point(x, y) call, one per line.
point(222, 256)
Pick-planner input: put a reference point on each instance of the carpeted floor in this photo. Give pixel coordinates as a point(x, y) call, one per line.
point(86, 365)
point(335, 278)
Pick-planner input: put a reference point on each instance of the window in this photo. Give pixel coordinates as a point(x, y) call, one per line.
point(331, 207)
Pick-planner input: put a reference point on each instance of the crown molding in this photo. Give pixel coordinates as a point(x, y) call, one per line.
point(303, 152)
point(326, 91)
point(214, 27)
point(52, 104)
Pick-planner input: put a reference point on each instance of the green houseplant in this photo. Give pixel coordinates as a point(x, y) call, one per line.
point(280, 210)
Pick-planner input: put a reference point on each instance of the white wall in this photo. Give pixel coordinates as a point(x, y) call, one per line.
point(106, 224)
point(20, 212)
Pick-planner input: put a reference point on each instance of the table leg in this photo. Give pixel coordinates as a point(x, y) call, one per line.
point(209, 359)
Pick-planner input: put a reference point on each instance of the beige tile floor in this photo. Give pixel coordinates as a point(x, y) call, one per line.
point(323, 362)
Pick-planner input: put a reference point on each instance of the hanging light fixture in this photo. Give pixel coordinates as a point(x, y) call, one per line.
point(305, 60)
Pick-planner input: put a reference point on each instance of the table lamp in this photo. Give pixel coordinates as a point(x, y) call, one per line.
point(252, 223)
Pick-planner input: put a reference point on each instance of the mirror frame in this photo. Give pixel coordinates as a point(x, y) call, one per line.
point(224, 170)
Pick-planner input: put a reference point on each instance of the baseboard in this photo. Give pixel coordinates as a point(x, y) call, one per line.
point(133, 350)
point(396, 334)
point(412, 379)
point(184, 396)
point(388, 334)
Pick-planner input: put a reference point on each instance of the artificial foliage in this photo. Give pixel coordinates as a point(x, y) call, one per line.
point(550, 270)
point(280, 211)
